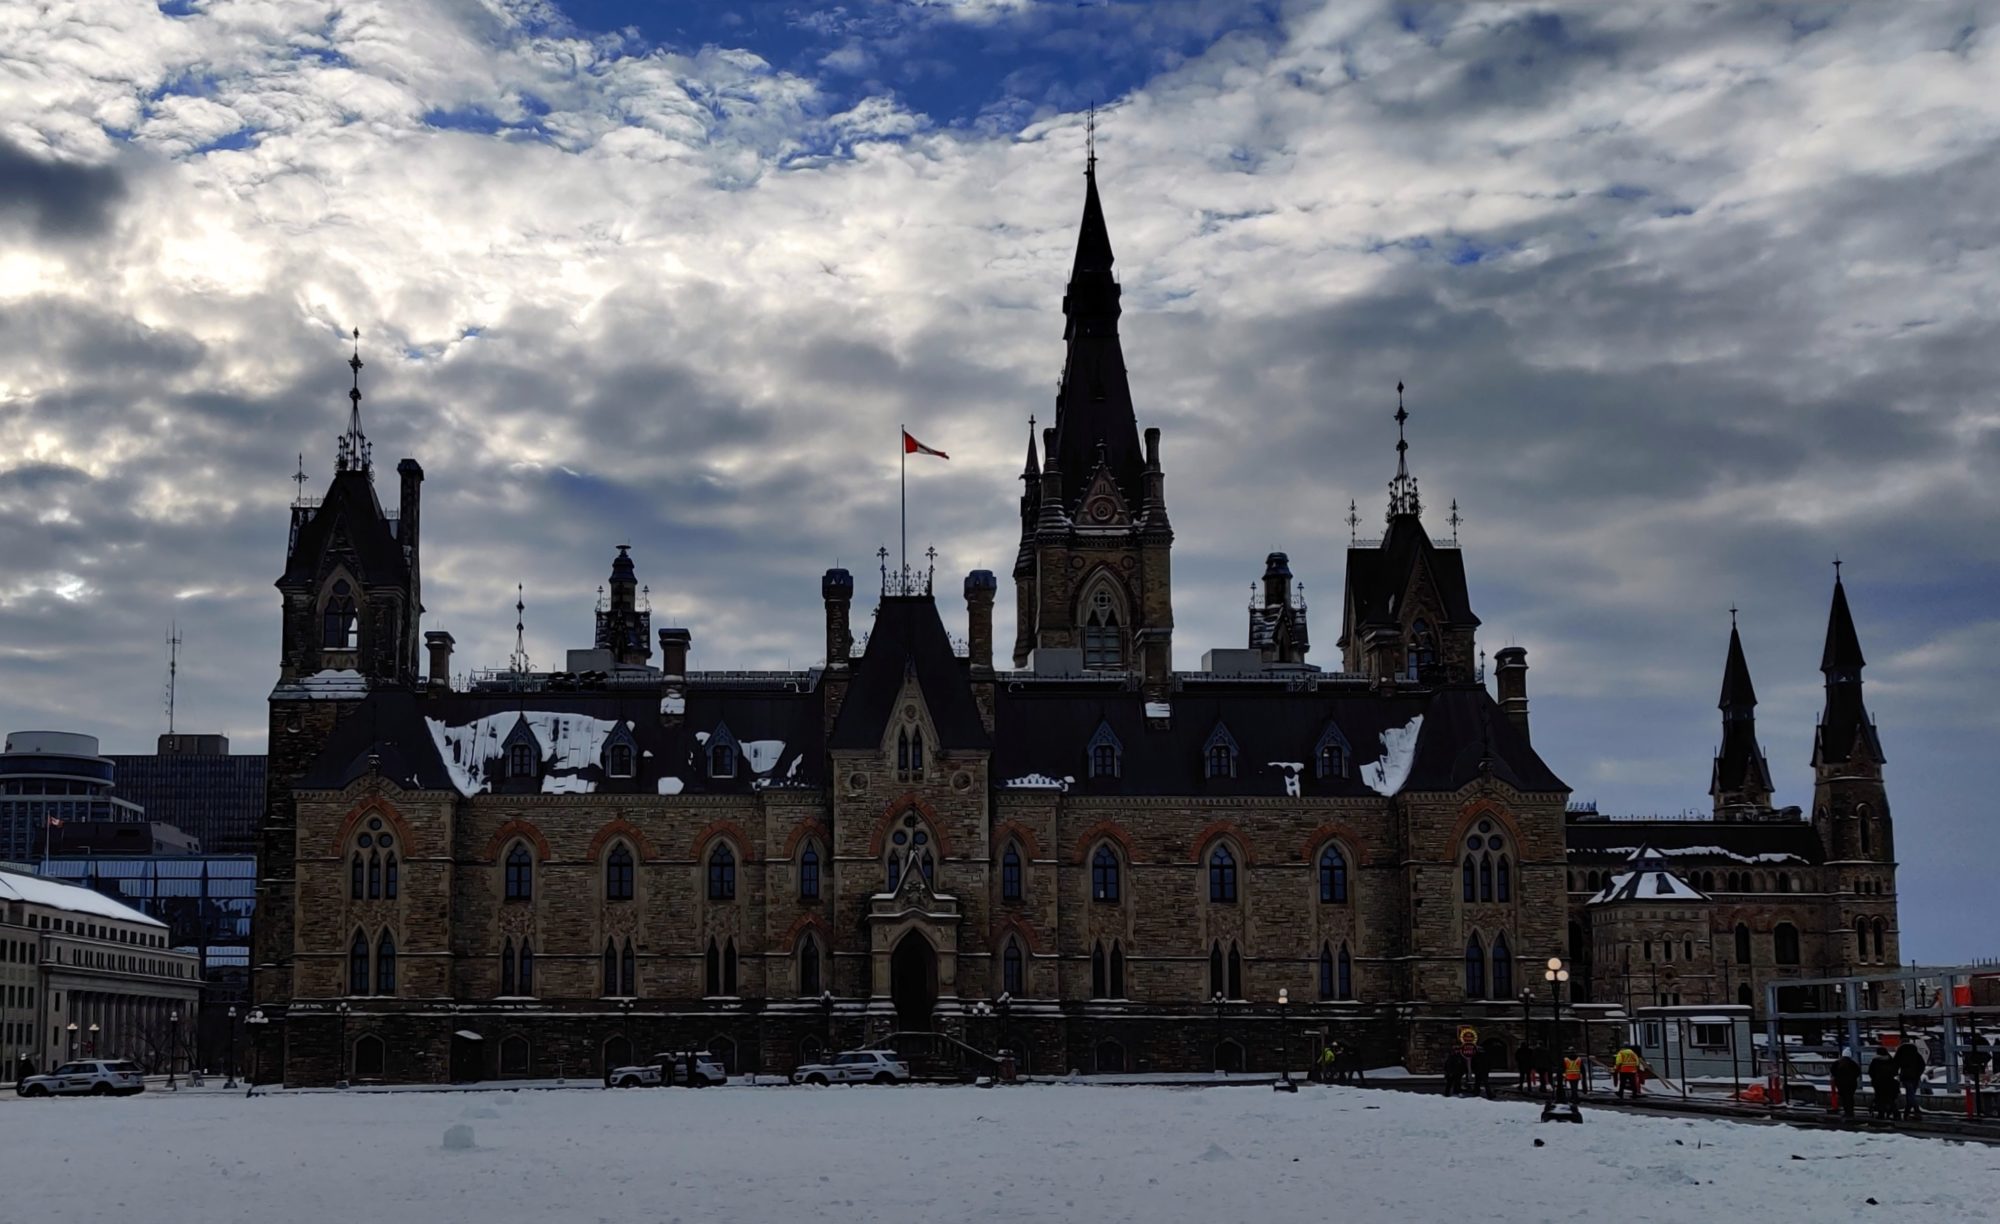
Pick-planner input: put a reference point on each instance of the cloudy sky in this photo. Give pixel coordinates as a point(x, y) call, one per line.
point(1689, 299)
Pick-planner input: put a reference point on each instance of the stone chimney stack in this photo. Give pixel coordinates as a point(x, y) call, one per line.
point(440, 644)
point(836, 587)
point(980, 586)
point(1511, 665)
point(410, 513)
point(674, 645)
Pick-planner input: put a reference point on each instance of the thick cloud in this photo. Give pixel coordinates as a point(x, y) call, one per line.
point(1688, 302)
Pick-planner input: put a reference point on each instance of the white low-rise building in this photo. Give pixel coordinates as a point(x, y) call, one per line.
point(82, 975)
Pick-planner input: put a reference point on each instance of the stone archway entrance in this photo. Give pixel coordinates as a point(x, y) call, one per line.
point(913, 982)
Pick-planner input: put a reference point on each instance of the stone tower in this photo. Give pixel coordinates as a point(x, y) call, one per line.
point(1740, 783)
point(1093, 573)
point(623, 626)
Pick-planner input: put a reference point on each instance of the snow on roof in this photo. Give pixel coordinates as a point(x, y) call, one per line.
point(670, 786)
point(1399, 751)
point(1710, 852)
point(762, 754)
point(1036, 781)
point(1291, 771)
point(36, 890)
point(674, 703)
point(569, 744)
point(333, 684)
point(1646, 886)
point(1159, 709)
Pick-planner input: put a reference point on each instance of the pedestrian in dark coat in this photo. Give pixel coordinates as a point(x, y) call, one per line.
point(1847, 1082)
point(1482, 1070)
point(1882, 1078)
point(1454, 1072)
point(1527, 1062)
point(1910, 1069)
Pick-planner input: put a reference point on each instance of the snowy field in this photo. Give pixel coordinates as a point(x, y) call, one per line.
point(1023, 1154)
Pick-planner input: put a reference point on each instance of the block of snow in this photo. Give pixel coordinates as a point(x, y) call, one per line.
point(566, 784)
point(762, 754)
point(1399, 752)
point(458, 1137)
point(670, 786)
point(1291, 771)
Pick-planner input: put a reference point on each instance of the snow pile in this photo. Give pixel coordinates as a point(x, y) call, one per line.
point(1035, 781)
point(458, 1138)
point(568, 744)
point(1399, 752)
point(1291, 771)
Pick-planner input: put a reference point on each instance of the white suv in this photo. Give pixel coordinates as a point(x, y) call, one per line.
point(669, 1068)
point(856, 1067)
point(88, 1077)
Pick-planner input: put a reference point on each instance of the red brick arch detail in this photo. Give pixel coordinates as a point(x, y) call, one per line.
point(1341, 832)
point(809, 827)
point(729, 830)
point(1014, 924)
point(1216, 830)
point(1103, 830)
point(1485, 809)
point(616, 828)
point(1019, 832)
point(374, 805)
point(521, 829)
point(908, 801)
point(802, 924)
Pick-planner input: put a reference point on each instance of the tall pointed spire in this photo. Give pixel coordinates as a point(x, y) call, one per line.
point(1403, 499)
point(1741, 783)
point(1032, 470)
point(1844, 722)
point(1094, 416)
point(354, 453)
point(1739, 696)
point(1843, 645)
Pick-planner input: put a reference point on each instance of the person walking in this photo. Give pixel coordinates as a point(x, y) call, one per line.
point(1454, 1072)
point(1846, 1075)
point(1482, 1072)
point(1527, 1062)
point(1882, 1078)
point(1626, 1070)
point(1573, 1077)
point(1329, 1060)
point(1910, 1069)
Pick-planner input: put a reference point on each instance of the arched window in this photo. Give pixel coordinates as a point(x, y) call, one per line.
point(527, 968)
point(728, 964)
point(722, 873)
point(357, 965)
point(1475, 968)
point(369, 1055)
point(1326, 986)
point(1103, 647)
point(1485, 877)
point(1735, 882)
point(1423, 645)
point(1110, 1058)
point(1222, 876)
point(618, 873)
point(911, 842)
point(506, 968)
point(520, 874)
point(1332, 876)
point(389, 882)
point(1785, 944)
point(385, 965)
point(1221, 761)
point(1503, 880)
point(1344, 981)
point(374, 875)
point(1784, 883)
point(1235, 972)
point(1742, 944)
point(521, 760)
point(1104, 761)
point(1218, 980)
point(619, 760)
point(1503, 968)
point(1117, 970)
point(1332, 761)
point(610, 967)
point(711, 975)
point(1010, 873)
point(1881, 930)
point(340, 628)
point(1012, 977)
point(1467, 874)
point(354, 878)
point(910, 752)
point(1100, 972)
point(628, 971)
point(1861, 820)
point(809, 967)
point(722, 760)
point(1104, 875)
point(809, 873)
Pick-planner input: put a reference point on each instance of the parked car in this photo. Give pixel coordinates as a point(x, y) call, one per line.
point(86, 1077)
point(671, 1069)
point(856, 1067)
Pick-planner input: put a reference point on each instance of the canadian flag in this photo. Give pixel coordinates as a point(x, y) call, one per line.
point(913, 447)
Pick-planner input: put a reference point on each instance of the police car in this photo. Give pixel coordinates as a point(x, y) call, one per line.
point(86, 1077)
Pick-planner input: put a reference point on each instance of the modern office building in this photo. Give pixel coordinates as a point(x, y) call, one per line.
point(195, 784)
point(49, 778)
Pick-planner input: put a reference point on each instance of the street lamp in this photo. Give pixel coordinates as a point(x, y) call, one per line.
point(71, 1057)
point(340, 1081)
point(173, 1043)
point(90, 1046)
point(1003, 1005)
point(1555, 975)
point(230, 1080)
point(1285, 1083)
point(259, 1019)
point(1218, 1030)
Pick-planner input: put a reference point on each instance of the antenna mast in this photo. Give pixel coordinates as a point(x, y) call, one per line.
point(173, 669)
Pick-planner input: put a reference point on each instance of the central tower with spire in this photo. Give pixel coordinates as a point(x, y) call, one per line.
point(1093, 576)
point(1741, 781)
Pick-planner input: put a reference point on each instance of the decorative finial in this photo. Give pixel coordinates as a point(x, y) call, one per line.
point(1403, 497)
point(519, 663)
point(353, 452)
point(299, 479)
point(1732, 616)
point(1090, 140)
point(882, 559)
point(1454, 518)
point(1836, 567)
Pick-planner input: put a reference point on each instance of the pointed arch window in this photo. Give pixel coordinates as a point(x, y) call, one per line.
point(355, 875)
point(1861, 939)
point(610, 967)
point(1742, 944)
point(1344, 975)
point(728, 965)
point(910, 753)
point(1100, 972)
point(1326, 971)
point(1104, 872)
point(1218, 982)
point(385, 964)
point(1117, 970)
point(1423, 646)
point(628, 971)
point(1332, 876)
point(809, 874)
point(389, 875)
point(1503, 881)
point(374, 875)
point(1010, 873)
point(618, 873)
point(1475, 967)
point(1466, 873)
point(357, 965)
point(520, 873)
point(1861, 821)
point(911, 844)
point(340, 627)
point(1503, 968)
point(1485, 877)
point(1332, 754)
point(1785, 944)
point(1013, 969)
point(1222, 876)
point(1881, 929)
point(1103, 643)
point(722, 873)
point(809, 967)
point(506, 968)
point(1105, 753)
point(1235, 972)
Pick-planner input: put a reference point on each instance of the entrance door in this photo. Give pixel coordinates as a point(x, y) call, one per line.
point(913, 982)
point(466, 1057)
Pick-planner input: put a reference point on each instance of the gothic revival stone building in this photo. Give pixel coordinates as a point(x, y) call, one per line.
point(1092, 859)
point(1716, 910)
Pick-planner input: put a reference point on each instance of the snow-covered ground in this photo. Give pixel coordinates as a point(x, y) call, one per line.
point(1052, 1152)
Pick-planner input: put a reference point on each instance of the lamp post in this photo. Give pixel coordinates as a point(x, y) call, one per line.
point(1218, 1031)
point(826, 1018)
point(173, 1043)
point(229, 1081)
point(340, 1080)
point(90, 1046)
point(1555, 975)
point(71, 1056)
point(1285, 1041)
point(1003, 1005)
point(259, 1020)
point(1527, 1035)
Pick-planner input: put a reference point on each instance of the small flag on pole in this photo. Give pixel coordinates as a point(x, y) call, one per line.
point(913, 447)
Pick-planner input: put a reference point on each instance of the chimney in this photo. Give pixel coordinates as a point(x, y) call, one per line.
point(1277, 580)
point(412, 474)
point(1511, 664)
point(674, 651)
point(836, 586)
point(980, 586)
point(440, 644)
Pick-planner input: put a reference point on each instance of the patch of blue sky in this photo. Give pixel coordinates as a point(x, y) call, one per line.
point(180, 8)
point(241, 138)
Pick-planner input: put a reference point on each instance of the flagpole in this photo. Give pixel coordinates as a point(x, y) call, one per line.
point(903, 454)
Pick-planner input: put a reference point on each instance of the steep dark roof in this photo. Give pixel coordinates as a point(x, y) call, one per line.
point(1843, 645)
point(350, 505)
point(1378, 576)
point(386, 726)
point(1740, 763)
point(1094, 415)
point(1844, 723)
point(1045, 728)
point(1737, 691)
point(1605, 841)
point(908, 636)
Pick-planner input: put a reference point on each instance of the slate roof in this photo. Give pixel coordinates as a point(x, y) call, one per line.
point(908, 636)
point(1598, 841)
point(1844, 723)
point(1648, 880)
point(1045, 728)
point(1740, 763)
point(1378, 576)
point(1094, 413)
point(351, 503)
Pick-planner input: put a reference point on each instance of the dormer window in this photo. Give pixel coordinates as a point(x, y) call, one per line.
point(1106, 753)
point(1331, 754)
point(1219, 754)
point(340, 627)
point(618, 761)
point(521, 761)
point(721, 761)
point(1423, 646)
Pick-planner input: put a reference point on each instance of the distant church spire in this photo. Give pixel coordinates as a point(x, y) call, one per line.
point(1741, 782)
point(1032, 470)
point(354, 453)
point(1403, 499)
